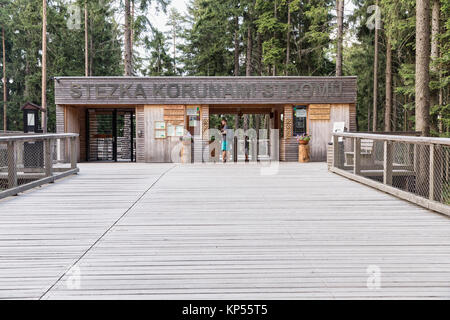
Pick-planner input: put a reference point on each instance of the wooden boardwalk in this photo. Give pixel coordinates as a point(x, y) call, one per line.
point(161, 231)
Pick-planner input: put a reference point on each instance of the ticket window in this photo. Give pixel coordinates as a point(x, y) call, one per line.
point(193, 120)
point(300, 120)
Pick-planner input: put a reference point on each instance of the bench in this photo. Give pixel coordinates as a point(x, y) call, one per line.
point(366, 154)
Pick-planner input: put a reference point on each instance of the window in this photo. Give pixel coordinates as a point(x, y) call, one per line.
point(300, 116)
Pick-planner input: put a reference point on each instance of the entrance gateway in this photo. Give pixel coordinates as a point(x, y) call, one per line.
point(144, 118)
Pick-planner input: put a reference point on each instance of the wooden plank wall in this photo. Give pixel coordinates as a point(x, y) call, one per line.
point(204, 125)
point(72, 124)
point(157, 150)
point(60, 128)
point(140, 134)
point(353, 125)
point(289, 149)
point(321, 130)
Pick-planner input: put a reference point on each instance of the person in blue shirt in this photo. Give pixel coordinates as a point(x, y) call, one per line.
point(224, 139)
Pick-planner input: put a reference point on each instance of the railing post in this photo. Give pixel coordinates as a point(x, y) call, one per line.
point(58, 150)
point(73, 152)
point(357, 156)
point(235, 149)
point(12, 164)
point(432, 171)
point(335, 151)
point(387, 163)
point(48, 161)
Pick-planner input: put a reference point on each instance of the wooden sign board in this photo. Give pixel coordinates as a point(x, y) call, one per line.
point(194, 91)
point(174, 114)
point(319, 111)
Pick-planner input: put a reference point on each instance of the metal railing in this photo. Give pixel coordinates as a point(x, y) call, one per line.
point(416, 169)
point(30, 160)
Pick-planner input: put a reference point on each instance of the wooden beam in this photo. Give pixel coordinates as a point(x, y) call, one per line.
point(432, 172)
point(48, 162)
point(335, 151)
point(12, 164)
point(387, 163)
point(357, 156)
point(426, 203)
point(73, 152)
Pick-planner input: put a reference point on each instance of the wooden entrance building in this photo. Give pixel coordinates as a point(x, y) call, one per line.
point(144, 119)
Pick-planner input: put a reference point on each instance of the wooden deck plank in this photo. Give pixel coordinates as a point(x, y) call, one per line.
point(219, 231)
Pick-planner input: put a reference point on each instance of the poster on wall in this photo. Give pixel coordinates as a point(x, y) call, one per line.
point(191, 111)
point(300, 113)
point(170, 130)
point(179, 131)
point(160, 125)
point(193, 121)
point(160, 134)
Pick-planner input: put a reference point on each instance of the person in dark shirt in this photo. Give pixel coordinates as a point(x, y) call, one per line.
point(224, 139)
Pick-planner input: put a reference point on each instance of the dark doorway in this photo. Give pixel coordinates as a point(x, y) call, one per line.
point(300, 117)
point(111, 135)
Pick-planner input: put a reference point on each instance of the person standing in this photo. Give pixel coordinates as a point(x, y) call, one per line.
point(224, 140)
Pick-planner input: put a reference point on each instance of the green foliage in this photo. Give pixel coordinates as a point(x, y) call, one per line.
point(204, 42)
point(160, 62)
point(65, 50)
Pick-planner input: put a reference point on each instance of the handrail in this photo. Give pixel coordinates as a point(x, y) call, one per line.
point(412, 168)
point(38, 137)
point(409, 139)
point(25, 165)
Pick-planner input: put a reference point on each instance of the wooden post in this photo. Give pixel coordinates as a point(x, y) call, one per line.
point(5, 122)
point(387, 165)
point(287, 119)
point(336, 151)
point(12, 164)
point(303, 153)
point(357, 156)
point(73, 152)
point(48, 162)
point(235, 149)
point(44, 67)
point(432, 172)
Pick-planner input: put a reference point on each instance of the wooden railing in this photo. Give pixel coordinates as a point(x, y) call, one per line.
point(416, 169)
point(30, 160)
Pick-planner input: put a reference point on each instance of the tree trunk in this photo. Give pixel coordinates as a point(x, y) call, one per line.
point(132, 26)
point(236, 46)
point(388, 107)
point(91, 51)
point(26, 90)
point(128, 50)
point(288, 38)
point(435, 29)
point(394, 107)
point(299, 42)
point(422, 66)
point(174, 36)
point(375, 80)
point(340, 32)
point(86, 41)
point(44, 67)
point(248, 62)
point(259, 54)
point(274, 67)
point(4, 81)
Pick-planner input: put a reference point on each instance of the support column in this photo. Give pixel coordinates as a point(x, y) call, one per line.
point(48, 159)
point(288, 150)
point(12, 164)
point(387, 163)
point(201, 138)
point(287, 119)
